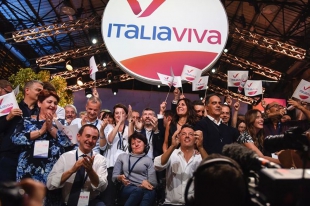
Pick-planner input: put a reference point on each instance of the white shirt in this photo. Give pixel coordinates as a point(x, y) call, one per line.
point(178, 172)
point(149, 136)
point(214, 120)
point(66, 162)
point(115, 148)
point(97, 123)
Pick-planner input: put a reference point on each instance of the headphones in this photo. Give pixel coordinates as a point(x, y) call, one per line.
point(200, 169)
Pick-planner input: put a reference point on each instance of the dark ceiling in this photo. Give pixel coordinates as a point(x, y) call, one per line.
point(269, 38)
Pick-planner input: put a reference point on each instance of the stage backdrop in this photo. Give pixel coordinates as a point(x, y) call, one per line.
point(137, 99)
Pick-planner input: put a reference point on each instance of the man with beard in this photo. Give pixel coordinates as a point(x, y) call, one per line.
point(149, 128)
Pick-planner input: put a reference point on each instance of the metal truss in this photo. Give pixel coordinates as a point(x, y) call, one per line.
point(74, 54)
point(226, 92)
point(100, 82)
point(271, 44)
point(55, 29)
point(256, 68)
point(83, 71)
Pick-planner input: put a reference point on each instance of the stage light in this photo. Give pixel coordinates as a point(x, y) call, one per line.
point(79, 81)
point(88, 93)
point(68, 65)
point(213, 70)
point(114, 89)
point(92, 33)
point(109, 77)
point(104, 64)
point(158, 86)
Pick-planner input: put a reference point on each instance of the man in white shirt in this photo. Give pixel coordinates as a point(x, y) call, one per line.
point(64, 171)
point(93, 106)
point(180, 163)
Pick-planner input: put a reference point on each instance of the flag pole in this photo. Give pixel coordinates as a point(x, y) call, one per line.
point(167, 94)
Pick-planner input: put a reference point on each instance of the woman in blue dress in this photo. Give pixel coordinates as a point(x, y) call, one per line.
point(41, 142)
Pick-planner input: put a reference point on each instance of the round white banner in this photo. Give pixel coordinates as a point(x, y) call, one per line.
point(147, 37)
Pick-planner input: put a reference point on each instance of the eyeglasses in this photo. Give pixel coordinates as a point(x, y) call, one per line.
point(6, 90)
point(187, 134)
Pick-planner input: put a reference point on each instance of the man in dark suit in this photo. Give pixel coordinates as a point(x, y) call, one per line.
point(215, 133)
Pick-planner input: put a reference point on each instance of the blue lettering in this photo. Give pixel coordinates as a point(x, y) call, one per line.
point(135, 32)
point(142, 34)
point(164, 35)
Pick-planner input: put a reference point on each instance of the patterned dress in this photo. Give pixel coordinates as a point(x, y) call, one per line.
point(37, 168)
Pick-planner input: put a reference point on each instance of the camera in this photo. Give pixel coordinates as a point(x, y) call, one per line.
point(294, 138)
point(11, 194)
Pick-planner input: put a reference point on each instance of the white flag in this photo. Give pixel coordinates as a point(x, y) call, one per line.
point(16, 90)
point(71, 131)
point(302, 91)
point(177, 82)
point(253, 88)
point(92, 68)
point(7, 103)
point(200, 83)
point(165, 79)
point(235, 77)
point(190, 73)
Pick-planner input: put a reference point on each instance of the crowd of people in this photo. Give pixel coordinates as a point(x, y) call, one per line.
point(124, 158)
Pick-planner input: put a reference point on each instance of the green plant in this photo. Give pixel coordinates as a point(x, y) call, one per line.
point(27, 74)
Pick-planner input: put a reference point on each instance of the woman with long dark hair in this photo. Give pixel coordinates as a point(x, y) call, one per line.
point(185, 114)
point(253, 136)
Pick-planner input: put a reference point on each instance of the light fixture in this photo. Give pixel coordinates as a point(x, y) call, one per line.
point(225, 50)
point(158, 86)
point(270, 9)
point(213, 70)
point(104, 64)
point(79, 81)
point(114, 89)
point(92, 33)
point(67, 8)
point(68, 65)
point(88, 93)
point(109, 77)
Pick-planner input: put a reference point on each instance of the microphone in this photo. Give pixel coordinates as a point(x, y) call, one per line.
point(247, 158)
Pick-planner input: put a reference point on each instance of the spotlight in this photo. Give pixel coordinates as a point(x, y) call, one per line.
point(213, 70)
point(109, 77)
point(104, 64)
point(158, 86)
point(79, 81)
point(88, 93)
point(114, 89)
point(92, 33)
point(68, 65)
point(67, 8)
point(225, 50)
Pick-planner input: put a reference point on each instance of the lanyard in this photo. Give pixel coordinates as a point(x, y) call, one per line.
point(133, 166)
point(76, 158)
point(120, 144)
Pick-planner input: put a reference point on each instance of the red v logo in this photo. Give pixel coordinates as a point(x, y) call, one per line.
point(189, 71)
point(306, 88)
point(249, 85)
point(1, 101)
point(136, 8)
point(235, 75)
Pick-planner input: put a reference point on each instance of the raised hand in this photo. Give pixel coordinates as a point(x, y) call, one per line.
point(13, 113)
